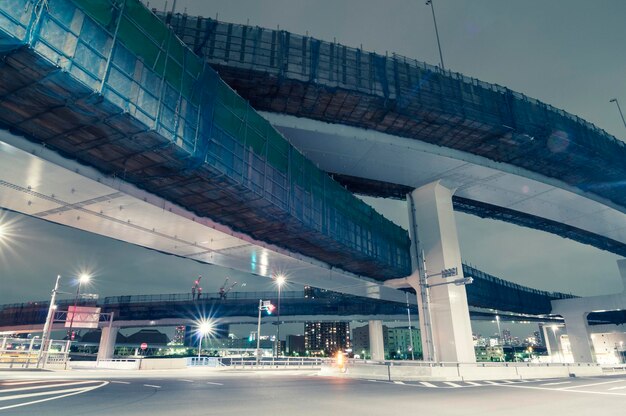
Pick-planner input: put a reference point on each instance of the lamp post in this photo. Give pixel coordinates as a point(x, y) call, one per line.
point(264, 305)
point(408, 312)
point(47, 328)
point(205, 327)
point(83, 278)
point(614, 100)
point(432, 7)
point(280, 280)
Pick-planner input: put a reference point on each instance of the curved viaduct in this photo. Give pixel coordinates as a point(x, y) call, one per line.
point(384, 125)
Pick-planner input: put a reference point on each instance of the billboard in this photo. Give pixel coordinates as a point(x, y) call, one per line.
point(82, 317)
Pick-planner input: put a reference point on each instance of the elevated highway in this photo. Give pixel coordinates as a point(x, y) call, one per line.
point(386, 124)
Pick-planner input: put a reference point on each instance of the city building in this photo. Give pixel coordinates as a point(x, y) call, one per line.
point(179, 336)
point(295, 345)
point(325, 338)
point(397, 342)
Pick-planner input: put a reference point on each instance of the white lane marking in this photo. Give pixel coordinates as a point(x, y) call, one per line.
point(451, 384)
point(152, 385)
point(427, 384)
point(508, 381)
point(183, 379)
point(564, 390)
point(41, 393)
point(120, 382)
point(492, 383)
point(398, 382)
point(618, 388)
point(471, 383)
point(45, 386)
point(592, 384)
point(17, 383)
point(220, 384)
point(556, 383)
point(79, 391)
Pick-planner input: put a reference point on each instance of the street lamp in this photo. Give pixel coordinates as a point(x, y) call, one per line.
point(47, 328)
point(264, 305)
point(614, 100)
point(432, 7)
point(83, 278)
point(205, 327)
point(280, 281)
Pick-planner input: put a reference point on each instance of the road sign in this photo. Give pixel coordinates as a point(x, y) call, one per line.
point(144, 346)
point(82, 317)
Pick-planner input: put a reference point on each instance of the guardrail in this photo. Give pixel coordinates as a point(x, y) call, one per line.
point(251, 362)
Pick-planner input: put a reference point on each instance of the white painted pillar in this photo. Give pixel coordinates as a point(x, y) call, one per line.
point(377, 343)
point(107, 343)
point(433, 232)
point(579, 337)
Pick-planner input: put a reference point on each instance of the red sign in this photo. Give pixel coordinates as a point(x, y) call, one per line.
point(144, 346)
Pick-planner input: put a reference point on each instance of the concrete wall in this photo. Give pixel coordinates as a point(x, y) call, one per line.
point(461, 372)
point(162, 363)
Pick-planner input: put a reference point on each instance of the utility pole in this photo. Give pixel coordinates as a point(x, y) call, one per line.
point(408, 312)
point(432, 7)
point(47, 328)
point(614, 100)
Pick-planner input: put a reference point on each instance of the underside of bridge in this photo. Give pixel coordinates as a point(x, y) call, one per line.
point(107, 84)
point(285, 73)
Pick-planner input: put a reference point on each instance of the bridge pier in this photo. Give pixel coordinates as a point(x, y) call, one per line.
point(575, 311)
point(444, 314)
point(107, 343)
point(377, 344)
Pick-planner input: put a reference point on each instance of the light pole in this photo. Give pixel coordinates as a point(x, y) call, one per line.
point(264, 305)
point(205, 327)
point(47, 328)
point(432, 7)
point(83, 278)
point(408, 312)
point(614, 100)
point(280, 280)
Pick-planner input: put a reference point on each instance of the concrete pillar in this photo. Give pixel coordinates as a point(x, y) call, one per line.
point(107, 343)
point(377, 343)
point(444, 313)
point(551, 338)
point(579, 337)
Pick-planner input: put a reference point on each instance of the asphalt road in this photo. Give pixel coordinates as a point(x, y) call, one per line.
point(249, 393)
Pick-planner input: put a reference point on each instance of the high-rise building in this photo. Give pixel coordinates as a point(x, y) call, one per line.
point(179, 336)
point(506, 337)
point(326, 337)
point(295, 345)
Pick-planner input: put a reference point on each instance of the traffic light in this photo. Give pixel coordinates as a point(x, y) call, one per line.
point(449, 272)
point(270, 309)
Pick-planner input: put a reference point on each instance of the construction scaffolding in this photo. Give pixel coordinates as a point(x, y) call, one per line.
point(107, 83)
point(288, 73)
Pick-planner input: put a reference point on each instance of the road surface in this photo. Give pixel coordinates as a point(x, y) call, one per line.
point(304, 393)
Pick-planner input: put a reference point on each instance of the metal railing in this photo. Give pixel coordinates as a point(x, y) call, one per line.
point(251, 362)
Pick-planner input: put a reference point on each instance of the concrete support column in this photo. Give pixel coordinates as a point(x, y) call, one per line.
point(444, 313)
point(579, 337)
point(107, 343)
point(377, 343)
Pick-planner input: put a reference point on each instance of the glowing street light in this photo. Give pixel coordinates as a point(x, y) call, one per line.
point(205, 327)
point(83, 278)
point(280, 281)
